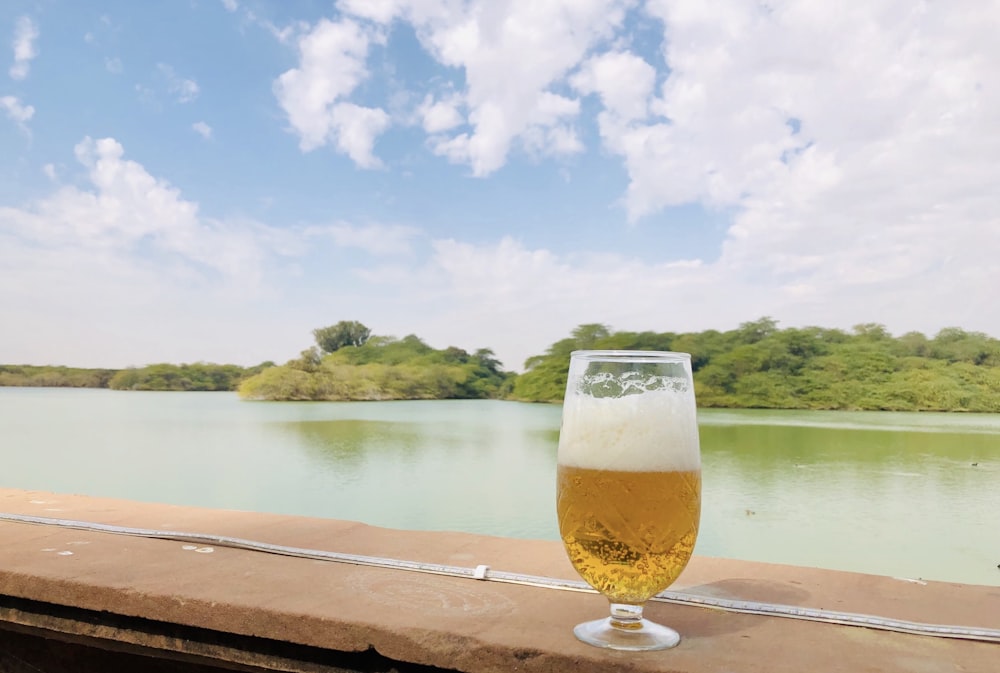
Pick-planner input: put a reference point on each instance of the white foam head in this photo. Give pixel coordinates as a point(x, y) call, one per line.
point(652, 431)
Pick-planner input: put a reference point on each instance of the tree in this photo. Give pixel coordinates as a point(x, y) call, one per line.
point(344, 333)
point(913, 343)
point(872, 331)
point(957, 345)
point(754, 331)
point(487, 360)
point(589, 334)
point(308, 361)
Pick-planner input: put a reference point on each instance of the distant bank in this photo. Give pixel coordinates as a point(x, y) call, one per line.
point(197, 376)
point(756, 365)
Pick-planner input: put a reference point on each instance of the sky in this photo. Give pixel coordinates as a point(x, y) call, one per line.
point(210, 180)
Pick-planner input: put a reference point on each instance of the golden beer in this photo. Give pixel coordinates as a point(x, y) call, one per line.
point(629, 534)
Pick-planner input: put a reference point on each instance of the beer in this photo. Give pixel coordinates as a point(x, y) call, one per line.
point(629, 490)
point(628, 534)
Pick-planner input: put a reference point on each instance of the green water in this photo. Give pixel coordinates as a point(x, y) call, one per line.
point(885, 493)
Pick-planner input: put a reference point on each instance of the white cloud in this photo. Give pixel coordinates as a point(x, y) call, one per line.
point(113, 65)
point(546, 134)
point(331, 65)
point(487, 288)
point(202, 129)
point(380, 11)
point(908, 277)
point(25, 34)
point(16, 111)
point(375, 239)
point(557, 139)
point(230, 5)
point(282, 34)
point(623, 81)
point(184, 90)
point(356, 129)
point(512, 55)
point(50, 172)
point(740, 104)
point(127, 209)
point(440, 115)
point(861, 176)
point(122, 252)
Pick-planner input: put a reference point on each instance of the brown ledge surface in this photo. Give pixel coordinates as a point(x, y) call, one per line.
point(452, 623)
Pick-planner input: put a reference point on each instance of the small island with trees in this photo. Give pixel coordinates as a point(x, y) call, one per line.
point(756, 365)
point(349, 363)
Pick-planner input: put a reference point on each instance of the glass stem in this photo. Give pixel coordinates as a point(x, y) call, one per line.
point(625, 616)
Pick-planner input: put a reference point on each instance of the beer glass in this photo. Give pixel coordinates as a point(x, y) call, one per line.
point(629, 485)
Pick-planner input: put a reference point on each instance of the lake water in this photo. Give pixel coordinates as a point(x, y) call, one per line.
point(906, 495)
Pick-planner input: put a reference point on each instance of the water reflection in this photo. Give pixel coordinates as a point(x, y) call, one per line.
point(909, 502)
point(765, 453)
point(348, 444)
point(479, 471)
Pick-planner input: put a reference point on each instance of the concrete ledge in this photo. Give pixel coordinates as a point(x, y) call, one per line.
point(242, 610)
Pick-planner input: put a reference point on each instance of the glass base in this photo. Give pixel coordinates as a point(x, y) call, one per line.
point(635, 636)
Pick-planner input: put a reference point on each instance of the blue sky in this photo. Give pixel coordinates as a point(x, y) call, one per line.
point(212, 179)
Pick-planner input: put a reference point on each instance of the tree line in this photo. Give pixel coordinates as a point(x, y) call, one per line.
point(759, 365)
point(54, 376)
point(195, 376)
point(756, 365)
point(198, 376)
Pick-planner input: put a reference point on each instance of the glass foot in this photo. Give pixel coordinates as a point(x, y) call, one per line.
point(638, 635)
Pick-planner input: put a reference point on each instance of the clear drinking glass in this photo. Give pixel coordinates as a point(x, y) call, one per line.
point(629, 485)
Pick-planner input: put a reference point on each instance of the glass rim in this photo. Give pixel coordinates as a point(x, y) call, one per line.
point(630, 356)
